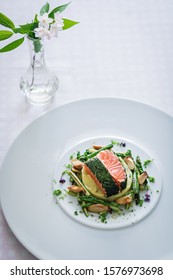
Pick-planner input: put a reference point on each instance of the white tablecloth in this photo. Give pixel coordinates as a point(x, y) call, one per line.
point(121, 48)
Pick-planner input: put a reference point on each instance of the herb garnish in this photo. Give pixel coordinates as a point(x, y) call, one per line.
point(57, 192)
point(103, 216)
point(78, 155)
point(141, 201)
point(113, 142)
point(151, 179)
point(147, 162)
point(68, 166)
point(123, 144)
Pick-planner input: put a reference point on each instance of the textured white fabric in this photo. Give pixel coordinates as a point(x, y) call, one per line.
point(120, 48)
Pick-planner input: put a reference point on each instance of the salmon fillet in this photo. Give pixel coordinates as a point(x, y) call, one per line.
point(113, 165)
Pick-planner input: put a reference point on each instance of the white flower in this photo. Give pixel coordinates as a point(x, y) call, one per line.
point(42, 33)
point(48, 27)
point(44, 20)
point(59, 21)
point(54, 30)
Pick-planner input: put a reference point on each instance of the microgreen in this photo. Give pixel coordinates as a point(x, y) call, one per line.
point(57, 192)
point(151, 179)
point(147, 162)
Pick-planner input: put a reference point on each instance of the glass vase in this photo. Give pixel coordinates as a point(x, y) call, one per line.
point(38, 84)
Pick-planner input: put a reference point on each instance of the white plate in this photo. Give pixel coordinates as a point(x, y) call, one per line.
point(42, 226)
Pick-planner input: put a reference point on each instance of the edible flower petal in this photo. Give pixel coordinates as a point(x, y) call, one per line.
point(147, 197)
point(62, 180)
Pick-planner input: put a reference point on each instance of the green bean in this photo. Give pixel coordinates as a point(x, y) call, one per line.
point(139, 165)
point(135, 183)
point(86, 157)
point(126, 154)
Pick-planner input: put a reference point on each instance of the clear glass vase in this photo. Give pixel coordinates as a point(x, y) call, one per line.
point(38, 84)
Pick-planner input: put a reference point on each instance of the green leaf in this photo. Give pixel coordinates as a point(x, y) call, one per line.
point(35, 18)
point(45, 9)
point(31, 35)
point(26, 28)
point(29, 26)
point(5, 34)
point(5, 21)
point(20, 30)
point(12, 45)
point(68, 23)
point(59, 9)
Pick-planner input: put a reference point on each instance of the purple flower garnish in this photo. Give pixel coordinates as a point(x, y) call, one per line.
point(147, 197)
point(62, 181)
point(123, 144)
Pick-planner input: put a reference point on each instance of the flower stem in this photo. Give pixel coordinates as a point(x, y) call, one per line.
point(33, 67)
